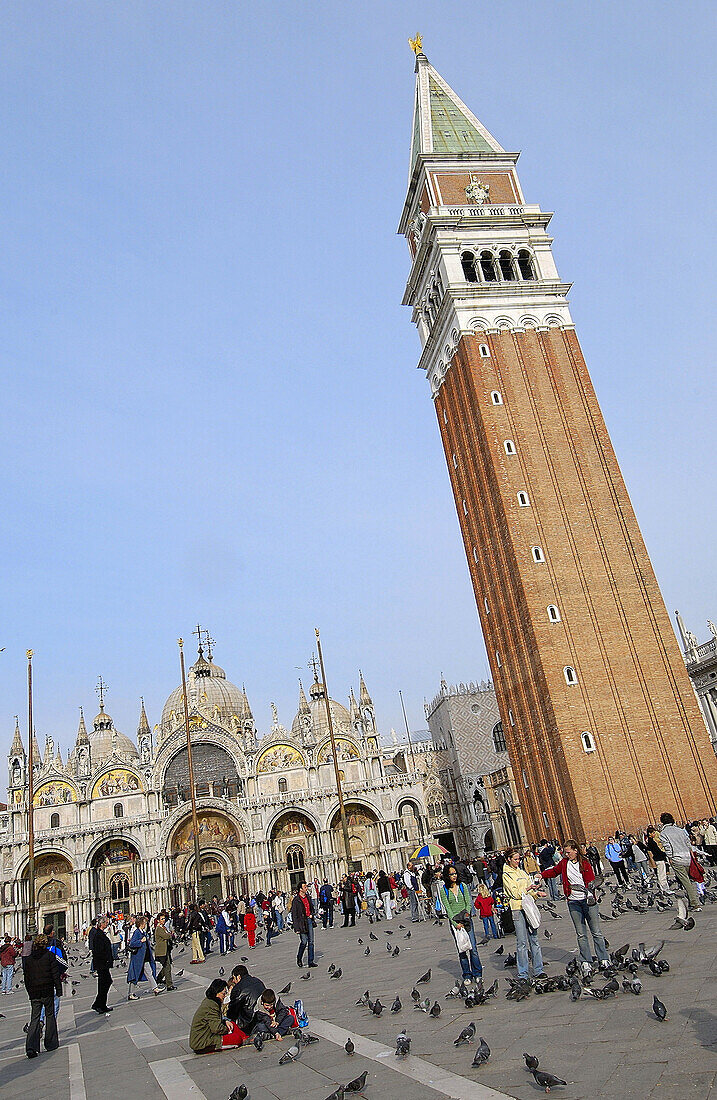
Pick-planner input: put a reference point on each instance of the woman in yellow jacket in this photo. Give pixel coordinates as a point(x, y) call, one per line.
point(517, 882)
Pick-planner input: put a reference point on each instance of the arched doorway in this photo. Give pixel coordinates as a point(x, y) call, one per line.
point(291, 838)
point(364, 835)
point(221, 846)
point(53, 891)
point(112, 876)
point(409, 823)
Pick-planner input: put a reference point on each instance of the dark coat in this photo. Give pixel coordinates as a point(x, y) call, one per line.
point(135, 970)
point(243, 1000)
point(281, 1023)
point(383, 884)
point(299, 919)
point(42, 974)
point(102, 957)
point(348, 897)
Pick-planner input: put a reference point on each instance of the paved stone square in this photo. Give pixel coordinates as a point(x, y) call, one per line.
point(614, 1049)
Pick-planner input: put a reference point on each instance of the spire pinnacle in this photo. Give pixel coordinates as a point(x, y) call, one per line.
point(364, 697)
point(416, 44)
point(353, 705)
point(37, 759)
point(143, 726)
point(304, 707)
point(82, 737)
point(58, 765)
point(16, 749)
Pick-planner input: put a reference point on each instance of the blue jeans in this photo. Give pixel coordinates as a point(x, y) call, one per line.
point(7, 976)
point(470, 960)
point(586, 916)
point(223, 942)
point(527, 945)
point(307, 940)
point(279, 919)
point(489, 927)
point(553, 889)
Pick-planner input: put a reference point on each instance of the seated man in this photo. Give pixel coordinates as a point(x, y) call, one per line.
point(273, 1019)
point(243, 999)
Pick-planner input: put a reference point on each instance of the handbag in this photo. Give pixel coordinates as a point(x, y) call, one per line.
point(463, 940)
point(531, 911)
point(695, 870)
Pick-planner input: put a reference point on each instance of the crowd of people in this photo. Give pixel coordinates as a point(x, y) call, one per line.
point(499, 888)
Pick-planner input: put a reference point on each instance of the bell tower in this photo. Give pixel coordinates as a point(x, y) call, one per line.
point(602, 724)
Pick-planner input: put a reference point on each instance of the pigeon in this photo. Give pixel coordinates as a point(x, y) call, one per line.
point(179, 973)
point(659, 1009)
point(548, 935)
point(633, 986)
point(331, 969)
point(415, 995)
point(239, 1093)
point(576, 990)
point(387, 932)
point(336, 974)
point(286, 989)
point(396, 951)
point(423, 1006)
point(546, 1080)
point(349, 1047)
point(357, 1085)
point(259, 1041)
point(466, 1036)
point(492, 989)
point(291, 1055)
point(403, 1045)
point(435, 1010)
point(359, 940)
point(424, 978)
point(221, 971)
point(655, 951)
point(305, 977)
point(482, 1053)
point(337, 1094)
point(408, 935)
point(531, 1061)
point(363, 1000)
point(377, 1007)
point(367, 951)
point(454, 992)
point(396, 1006)
point(500, 950)
point(304, 1038)
point(388, 947)
point(371, 936)
point(689, 924)
point(244, 958)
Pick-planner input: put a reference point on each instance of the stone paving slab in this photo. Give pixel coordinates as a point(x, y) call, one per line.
point(614, 1049)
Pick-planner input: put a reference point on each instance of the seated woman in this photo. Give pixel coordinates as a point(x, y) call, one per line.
point(208, 1026)
point(273, 1019)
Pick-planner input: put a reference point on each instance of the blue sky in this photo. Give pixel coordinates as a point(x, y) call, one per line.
point(209, 389)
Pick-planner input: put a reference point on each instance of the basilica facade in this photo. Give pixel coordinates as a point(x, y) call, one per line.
point(113, 823)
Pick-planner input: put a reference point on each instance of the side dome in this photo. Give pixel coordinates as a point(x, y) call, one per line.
point(316, 709)
point(207, 687)
point(106, 741)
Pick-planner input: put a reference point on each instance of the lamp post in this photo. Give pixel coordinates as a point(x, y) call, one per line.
point(31, 915)
point(337, 773)
point(195, 824)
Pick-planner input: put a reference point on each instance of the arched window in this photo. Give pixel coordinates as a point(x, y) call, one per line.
point(118, 809)
point(505, 262)
point(499, 738)
point(553, 613)
point(468, 263)
point(455, 461)
point(509, 447)
point(485, 604)
point(54, 821)
point(497, 658)
point(496, 397)
point(510, 716)
point(484, 351)
point(475, 555)
point(523, 500)
point(525, 264)
point(465, 509)
point(119, 888)
point(570, 676)
point(588, 742)
point(282, 786)
point(295, 858)
point(487, 266)
point(538, 555)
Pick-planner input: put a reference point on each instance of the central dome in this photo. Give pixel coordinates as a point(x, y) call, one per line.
point(207, 687)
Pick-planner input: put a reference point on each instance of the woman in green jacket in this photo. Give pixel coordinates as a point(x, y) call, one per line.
point(457, 904)
point(208, 1027)
point(517, 882)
